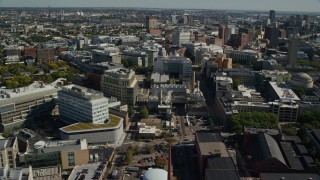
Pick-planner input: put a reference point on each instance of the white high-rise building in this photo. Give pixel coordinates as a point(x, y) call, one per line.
point(80, 104)
point(180, 36)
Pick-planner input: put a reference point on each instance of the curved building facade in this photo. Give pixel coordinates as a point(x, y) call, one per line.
point(301, 80)
point(110, 132)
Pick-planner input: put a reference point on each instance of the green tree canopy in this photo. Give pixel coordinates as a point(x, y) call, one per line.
point(309, 119)
point(31, 69)
point(144, 113)
point(258, 119)
point(235, 84)
point(130, 111)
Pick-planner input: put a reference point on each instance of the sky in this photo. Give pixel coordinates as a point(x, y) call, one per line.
point(278, 5)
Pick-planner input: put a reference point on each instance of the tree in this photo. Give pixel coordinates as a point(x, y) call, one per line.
point(210, 119)
point(6, 134)
point(53, 66)
point(160, 161)
point(129, 154)
point(125, 63)
point(299, 92)
point(257, 66)
point(119, 42)
point(188, 53)
point(31, 69)
point(130, 111)
point(288, 129)
point(144, 113)
point(236, 83)
point(170, 140)
point(148, 149)
point(258, 119)
point(309, 119)
point(137, 149)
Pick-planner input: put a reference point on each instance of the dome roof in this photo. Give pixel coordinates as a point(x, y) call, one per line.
point(302, 76)
point(155, 174)
point(301, 80)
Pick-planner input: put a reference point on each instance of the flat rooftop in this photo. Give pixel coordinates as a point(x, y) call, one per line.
point(252, 130)
point(82, 92)
point(113, 122)
point(289, 176)
point(147, 130)
point(87, 171)
point(221, 163)
point(36, 88)
point(213, 148)
point(283, 92)
point(221, 174)
point(208, 137)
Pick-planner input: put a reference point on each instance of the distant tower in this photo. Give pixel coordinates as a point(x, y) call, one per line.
point(272, 16)
point(49, 12)
point(293, 50)
point(272, 34)
point(151, 22)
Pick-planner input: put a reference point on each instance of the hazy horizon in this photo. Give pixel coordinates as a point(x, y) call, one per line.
point(259, 5)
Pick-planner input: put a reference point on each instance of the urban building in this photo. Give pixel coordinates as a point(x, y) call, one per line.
point(266, 151)
point(208, 146)
point(174, 65)
point(281, 92)
point(30, 52)
point(9, 153)
point(221, 168)
point(95, 70)
point(21, 173)
point(301, 80)
point(223, 62)
point(12, 51)
point(68, 153)
point(155, 174)
point(89, 171)
point(243, 57)
point(109, 132)
point(157, 78)
point(80, 104)
point(224, 34)
point(243, 75)
point(12, 60)
point(45, 55)
point(27, 103)
point(293, 51)
point(151, 22)
point(222, 85)
point(109, 54)
point(135, 58)
point(272, 16)
point(120, 83)
point(272, 34)
point(180, 36)
point(203, 52)
point(291, 176)
point(122, 113)
point(146, 131)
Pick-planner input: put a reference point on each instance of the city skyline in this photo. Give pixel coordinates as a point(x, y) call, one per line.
point(282, 5)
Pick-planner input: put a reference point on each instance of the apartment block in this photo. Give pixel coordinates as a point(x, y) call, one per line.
point(120, 83)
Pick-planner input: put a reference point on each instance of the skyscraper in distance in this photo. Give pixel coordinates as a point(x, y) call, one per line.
point(272, 16)
point(293, 50)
